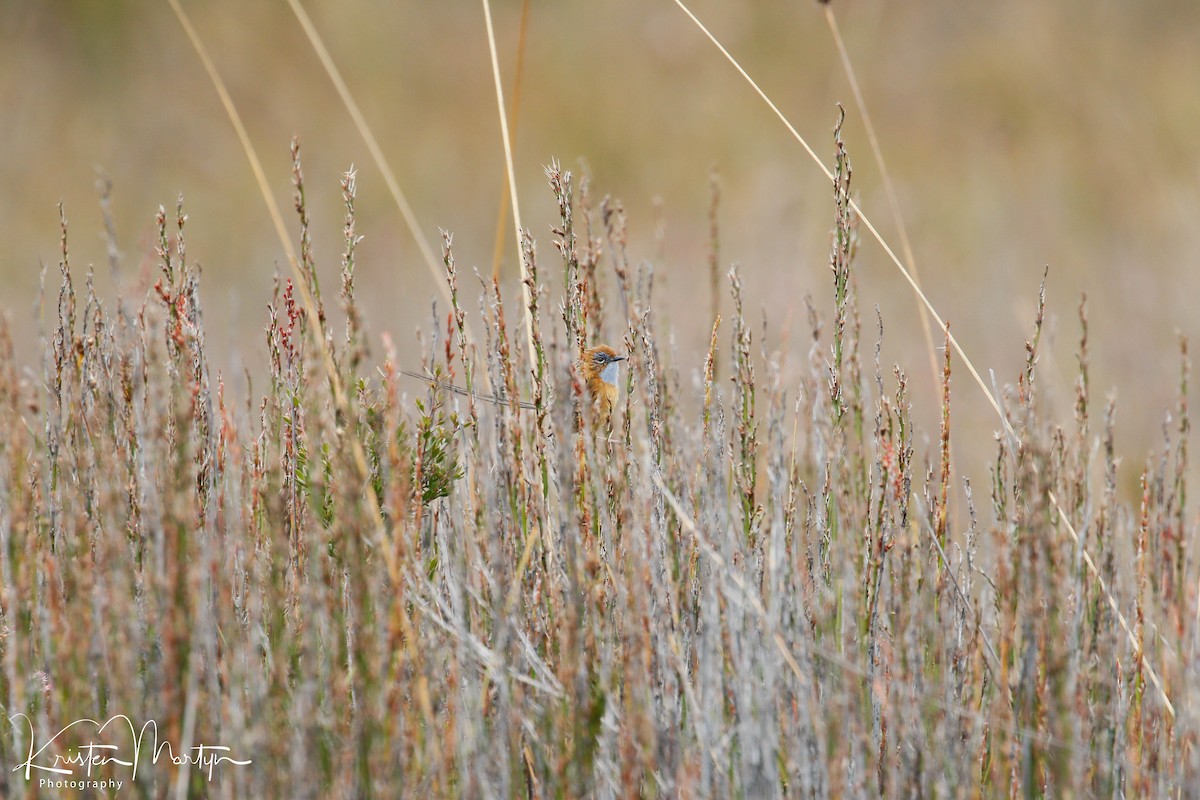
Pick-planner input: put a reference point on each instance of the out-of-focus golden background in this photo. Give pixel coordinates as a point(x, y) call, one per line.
point(1019, 134)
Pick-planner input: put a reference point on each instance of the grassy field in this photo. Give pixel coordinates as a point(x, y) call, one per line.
point(374, 574)
point(371, 585)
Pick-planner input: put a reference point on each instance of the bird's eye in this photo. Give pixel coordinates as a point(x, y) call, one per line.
point(598, 358)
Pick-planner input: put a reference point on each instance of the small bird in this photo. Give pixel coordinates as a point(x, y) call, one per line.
point(600, 368)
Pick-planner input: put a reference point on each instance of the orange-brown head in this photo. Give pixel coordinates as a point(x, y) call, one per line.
point(601, 370)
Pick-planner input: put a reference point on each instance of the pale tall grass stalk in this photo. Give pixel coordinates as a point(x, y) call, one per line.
point(515, 115)
point(364, 130)
point(384, 539)
point(992, 399)
point(310, 307)
point(512, 181)
point(888, 187)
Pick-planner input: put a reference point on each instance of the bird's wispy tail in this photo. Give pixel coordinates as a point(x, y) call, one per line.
point(498, 399)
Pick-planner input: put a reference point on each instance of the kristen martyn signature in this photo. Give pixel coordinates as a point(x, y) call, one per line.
point(82, 762)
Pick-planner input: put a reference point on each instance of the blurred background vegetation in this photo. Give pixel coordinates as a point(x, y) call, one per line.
point(1019, 134)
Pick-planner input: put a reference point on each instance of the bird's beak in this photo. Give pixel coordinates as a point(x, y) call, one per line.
point(620, 358)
